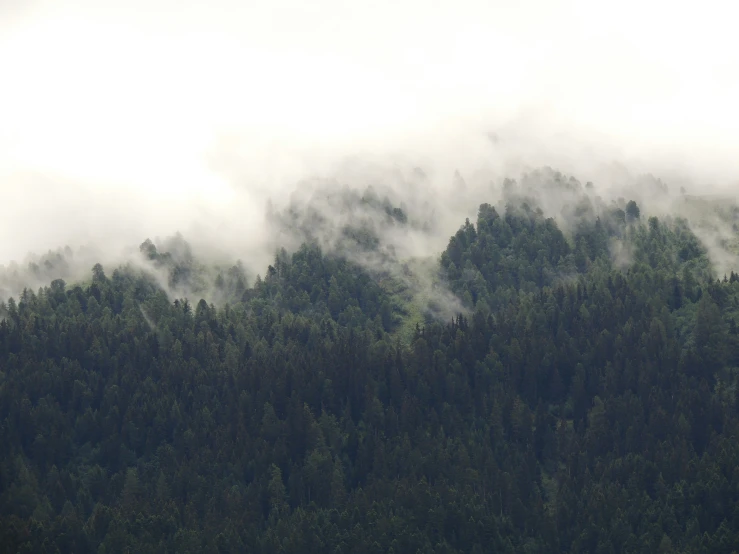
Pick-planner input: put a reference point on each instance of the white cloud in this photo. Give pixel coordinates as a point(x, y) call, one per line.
point(142, 117)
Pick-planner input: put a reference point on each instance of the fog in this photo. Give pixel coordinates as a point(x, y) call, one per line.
point(121, 121)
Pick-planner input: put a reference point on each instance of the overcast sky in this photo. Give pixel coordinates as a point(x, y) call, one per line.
point(124, 118)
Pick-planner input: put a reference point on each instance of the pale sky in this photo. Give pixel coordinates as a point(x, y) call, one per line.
point(123, 118)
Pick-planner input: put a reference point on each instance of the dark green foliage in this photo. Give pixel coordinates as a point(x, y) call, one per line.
point(632, 211)
point(584, 405)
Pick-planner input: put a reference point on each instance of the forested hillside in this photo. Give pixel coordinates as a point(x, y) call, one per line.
point(584, 398)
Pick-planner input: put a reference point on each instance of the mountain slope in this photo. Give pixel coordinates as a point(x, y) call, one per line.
point(584, 399)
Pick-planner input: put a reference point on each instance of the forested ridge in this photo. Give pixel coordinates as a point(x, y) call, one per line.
point(585, 398)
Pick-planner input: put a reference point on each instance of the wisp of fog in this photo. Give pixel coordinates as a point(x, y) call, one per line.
point(122, 121)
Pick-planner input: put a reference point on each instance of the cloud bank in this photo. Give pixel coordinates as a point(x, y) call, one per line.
point(130, 120)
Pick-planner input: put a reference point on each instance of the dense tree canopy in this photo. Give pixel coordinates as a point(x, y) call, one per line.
point(585, 401)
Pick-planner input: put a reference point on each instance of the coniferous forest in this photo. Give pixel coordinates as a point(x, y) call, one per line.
point(573, 400)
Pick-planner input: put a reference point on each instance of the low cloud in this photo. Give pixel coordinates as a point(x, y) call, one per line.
point(123, 123)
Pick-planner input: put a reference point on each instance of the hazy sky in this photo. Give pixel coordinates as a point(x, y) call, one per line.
point(134, 118)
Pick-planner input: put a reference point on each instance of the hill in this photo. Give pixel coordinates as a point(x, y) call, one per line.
point(558, 380)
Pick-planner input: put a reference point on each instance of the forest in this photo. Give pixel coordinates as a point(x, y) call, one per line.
point(576, 401)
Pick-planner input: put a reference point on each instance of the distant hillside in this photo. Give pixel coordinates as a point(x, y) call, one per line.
point(562, 378)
